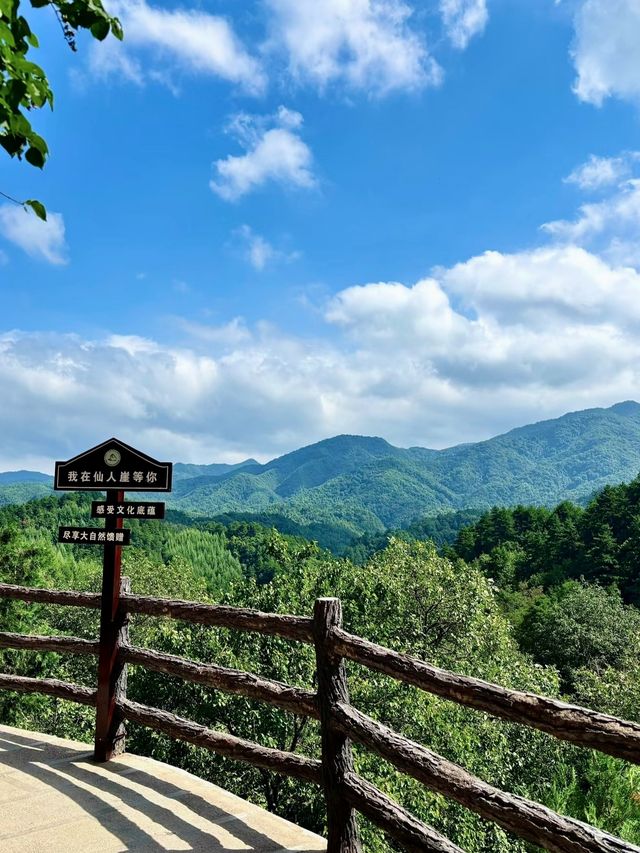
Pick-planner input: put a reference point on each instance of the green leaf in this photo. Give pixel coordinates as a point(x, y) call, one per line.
point(23, 84)
point(116, 29)
point(100, 29)
point(11, 143)
point(38, 208)
point(35, 157)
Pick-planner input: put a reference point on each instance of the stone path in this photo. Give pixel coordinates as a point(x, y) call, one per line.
point(54, 799)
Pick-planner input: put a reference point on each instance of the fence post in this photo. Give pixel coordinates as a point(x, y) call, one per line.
point(109, 737)
point(337, 759)
point(120, 674)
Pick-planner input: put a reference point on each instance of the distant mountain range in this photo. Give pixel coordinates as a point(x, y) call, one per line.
point(357, 484)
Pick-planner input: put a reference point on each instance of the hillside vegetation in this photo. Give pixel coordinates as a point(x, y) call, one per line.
point(349, 486)
point(521, 599)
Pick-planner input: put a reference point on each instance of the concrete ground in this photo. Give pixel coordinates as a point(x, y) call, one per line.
point(54, 799)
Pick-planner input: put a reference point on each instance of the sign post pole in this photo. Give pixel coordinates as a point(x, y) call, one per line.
point(114, 467)
point(109, 738)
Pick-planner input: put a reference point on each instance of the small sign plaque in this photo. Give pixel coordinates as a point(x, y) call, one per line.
point(93, 536)
point(127, 509)
point(113, 465)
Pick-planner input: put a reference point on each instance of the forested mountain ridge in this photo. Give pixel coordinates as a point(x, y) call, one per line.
point(7, 477)
point(350, 485)
point(367, 485)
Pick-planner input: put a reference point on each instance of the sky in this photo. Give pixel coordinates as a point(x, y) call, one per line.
point(275, 221)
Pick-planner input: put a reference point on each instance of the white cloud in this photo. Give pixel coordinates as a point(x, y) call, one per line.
point(43, 240)
point(463, 19)
point(258, 251)
point(466, 352)
point(230, 335)
point(363, 44)
point(111, 60)
point(605, 53)
point(599, 172)
point(191, 40)
point(611, 225)
point(471, 350)
point(274, 153)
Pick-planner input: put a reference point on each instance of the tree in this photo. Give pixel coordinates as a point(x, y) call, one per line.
point(581, 626)
point(23, 84)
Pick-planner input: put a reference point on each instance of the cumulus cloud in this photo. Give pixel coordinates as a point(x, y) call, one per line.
point(364, 45)
point(467, 352)
point(605, 52)
point(42, 240)
point(463, 19)
point(189, 39)
point(599, 172)
point(274, 152)
point(610, 225)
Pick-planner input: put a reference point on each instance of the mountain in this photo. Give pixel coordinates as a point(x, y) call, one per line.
point(366, 484)
point(21, 486)
point(183, 471)
point(10, 477)
point(349, 485)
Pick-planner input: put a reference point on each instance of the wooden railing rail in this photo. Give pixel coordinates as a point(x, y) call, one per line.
point(340, 723)
point(524, 818)
point(572, 723)
point(297, 700)
point(220, 616)
point(34, 642)
point(50, 687)
point(393, 819)
point(289, 763)
point(66, 597)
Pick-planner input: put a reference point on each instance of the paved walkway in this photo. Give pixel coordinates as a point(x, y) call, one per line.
point(54, 799)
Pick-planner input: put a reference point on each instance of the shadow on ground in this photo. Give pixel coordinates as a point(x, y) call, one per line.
point(55, 799)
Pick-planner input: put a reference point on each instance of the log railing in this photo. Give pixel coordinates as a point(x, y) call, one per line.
point(341, 724)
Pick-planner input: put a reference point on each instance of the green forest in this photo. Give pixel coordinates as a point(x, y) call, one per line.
point(348, 491)
point(540, 599)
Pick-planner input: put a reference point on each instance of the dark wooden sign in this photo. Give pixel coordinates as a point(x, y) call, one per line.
point(93, 536)
point(113, 465)
point(127, 509)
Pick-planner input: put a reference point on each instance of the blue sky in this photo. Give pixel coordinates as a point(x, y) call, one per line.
point(275, 221)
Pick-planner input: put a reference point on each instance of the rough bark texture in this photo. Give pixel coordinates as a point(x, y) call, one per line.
point(49, 686)
point(240, 618)
point(294, 699)
point(566, 722)
point(118, 730)
point(69, 598)
point(524, 818)
point(288, 763)
point(339, 720)
point(73, 645)
point(337, 760)
point(398, 823)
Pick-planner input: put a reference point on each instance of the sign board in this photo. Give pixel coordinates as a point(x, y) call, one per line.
point(93, 536)
point(116, 468)
point(113, 465)
point(127, 509)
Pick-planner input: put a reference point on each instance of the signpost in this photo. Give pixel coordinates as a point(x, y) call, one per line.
point(114, 467)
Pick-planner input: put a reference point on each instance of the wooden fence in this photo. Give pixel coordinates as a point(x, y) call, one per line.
point(346, 793)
